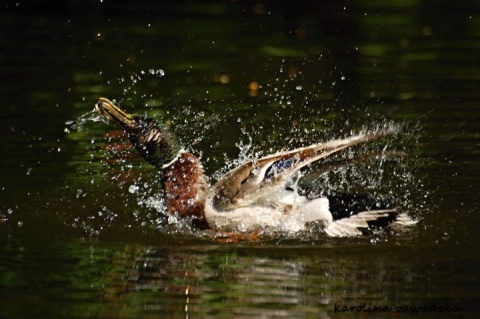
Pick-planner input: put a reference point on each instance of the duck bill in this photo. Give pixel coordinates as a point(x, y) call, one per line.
point(113, 113)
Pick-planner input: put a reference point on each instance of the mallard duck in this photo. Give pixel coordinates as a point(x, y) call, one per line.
point(260, 194)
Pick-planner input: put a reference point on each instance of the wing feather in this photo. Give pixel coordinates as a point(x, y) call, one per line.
point(250, 177)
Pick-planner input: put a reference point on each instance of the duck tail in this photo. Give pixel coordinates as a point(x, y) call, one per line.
point(366, 221)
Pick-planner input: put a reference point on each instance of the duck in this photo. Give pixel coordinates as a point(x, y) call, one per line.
point(260, 194)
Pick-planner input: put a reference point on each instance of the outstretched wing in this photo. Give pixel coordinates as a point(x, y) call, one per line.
point(274, 171)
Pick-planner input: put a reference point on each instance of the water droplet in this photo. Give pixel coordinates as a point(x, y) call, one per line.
point(133, 189)
point(299, 87)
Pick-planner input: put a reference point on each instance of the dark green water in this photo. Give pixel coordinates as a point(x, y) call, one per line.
point(80, 232)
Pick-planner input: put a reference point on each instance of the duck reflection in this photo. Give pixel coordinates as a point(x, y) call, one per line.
point(189, 283)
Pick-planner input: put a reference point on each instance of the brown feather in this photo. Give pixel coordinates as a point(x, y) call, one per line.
point(243, 180)
point(185, 186)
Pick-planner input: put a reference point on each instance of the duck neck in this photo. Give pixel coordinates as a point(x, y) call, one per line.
point(152, 140)
point(185, 185)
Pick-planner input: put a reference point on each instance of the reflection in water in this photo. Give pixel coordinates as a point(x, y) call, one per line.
point(224, 285)
point(257, 282)
point(191, 279)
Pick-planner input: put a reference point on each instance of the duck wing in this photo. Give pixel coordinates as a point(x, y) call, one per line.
point(257, 178)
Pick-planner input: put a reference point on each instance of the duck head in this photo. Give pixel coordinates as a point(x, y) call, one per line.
point(154, 142)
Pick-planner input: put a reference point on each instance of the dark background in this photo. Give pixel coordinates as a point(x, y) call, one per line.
point(79, 225)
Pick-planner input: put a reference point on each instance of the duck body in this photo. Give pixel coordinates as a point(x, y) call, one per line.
point(260, 194)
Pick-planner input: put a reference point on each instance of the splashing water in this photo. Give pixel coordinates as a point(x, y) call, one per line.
point(377, 175)
point(79, 123)
point(245, 155)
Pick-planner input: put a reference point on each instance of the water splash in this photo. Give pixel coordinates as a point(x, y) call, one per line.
point(378, 175)
point(246, 153)
point(79, 123)
point(155, 214)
